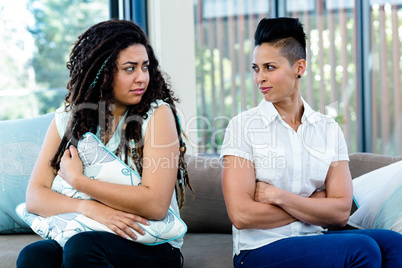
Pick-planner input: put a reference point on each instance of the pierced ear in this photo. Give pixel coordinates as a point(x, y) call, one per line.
point(300, 67)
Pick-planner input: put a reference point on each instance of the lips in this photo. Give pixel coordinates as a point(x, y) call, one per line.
point(265, 89)
point(138, 91)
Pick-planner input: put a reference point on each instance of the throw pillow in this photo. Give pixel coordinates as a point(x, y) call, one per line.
point(99, 164)
point(378, 195)
point(20, 142)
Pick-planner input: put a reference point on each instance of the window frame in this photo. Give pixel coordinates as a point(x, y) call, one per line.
point(133, 10)
point(363, 47)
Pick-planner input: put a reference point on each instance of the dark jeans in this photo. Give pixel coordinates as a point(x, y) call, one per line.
point(98, 249)
point(352, 248)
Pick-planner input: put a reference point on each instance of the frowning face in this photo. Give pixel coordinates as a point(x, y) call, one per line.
point(132, 77)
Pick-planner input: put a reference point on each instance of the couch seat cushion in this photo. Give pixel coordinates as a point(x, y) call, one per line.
point(207, 250)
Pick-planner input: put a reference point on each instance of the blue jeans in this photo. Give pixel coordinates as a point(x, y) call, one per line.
point(351, 248)
point(98, 249)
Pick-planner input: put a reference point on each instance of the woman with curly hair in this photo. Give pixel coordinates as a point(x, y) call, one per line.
point(117, 92)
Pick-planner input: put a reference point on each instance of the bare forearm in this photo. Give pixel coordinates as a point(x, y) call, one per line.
point(316, 211)
point(46, 202)
point(256, 215)
point(138, 200)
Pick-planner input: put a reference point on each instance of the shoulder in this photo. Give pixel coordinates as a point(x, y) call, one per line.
point(247, 120)
point(160, 113)
point(323, 121)
point(245, 116)
point(323, 118)
point(316, 118)
point(157, 107)
point(157, 104)
point(61, 112)
point(61, 118)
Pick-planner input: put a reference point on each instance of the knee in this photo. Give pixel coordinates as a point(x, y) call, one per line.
point(45, 253)
point(391, 244)
point(26, 257)
point(367, 252)
point(81, 249)
point(393, 239)
point(78, 245)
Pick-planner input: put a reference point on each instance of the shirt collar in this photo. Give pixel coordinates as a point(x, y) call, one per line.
point(309, 114)
point(267, 110)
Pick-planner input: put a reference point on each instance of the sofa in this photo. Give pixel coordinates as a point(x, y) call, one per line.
point(208, 242)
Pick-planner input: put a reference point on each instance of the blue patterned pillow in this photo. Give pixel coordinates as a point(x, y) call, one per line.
point(99, 164)
point(20, 142)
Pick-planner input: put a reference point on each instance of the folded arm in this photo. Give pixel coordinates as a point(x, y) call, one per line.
point(329, 208)
point(43, 201)
point(39, 194)
point(152, 198)
point(239, 184)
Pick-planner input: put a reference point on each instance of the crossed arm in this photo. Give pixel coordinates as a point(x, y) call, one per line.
point(117, 206)
point(258, 205)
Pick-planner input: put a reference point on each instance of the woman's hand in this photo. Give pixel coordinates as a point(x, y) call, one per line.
point(118, 221)
point(71, 167)
point(266, 193)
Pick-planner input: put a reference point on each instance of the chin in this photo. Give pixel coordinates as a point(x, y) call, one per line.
point(273, 99)
point(135, 101)
point(268, 98)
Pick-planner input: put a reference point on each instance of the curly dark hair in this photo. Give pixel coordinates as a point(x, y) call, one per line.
point(92, 66)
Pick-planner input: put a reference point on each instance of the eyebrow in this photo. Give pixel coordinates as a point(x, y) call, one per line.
point(264, 64)
point(135, 63)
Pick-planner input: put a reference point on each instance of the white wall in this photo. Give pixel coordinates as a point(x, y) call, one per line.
point(171, 33)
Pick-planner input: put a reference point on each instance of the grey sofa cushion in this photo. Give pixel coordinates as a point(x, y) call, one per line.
point(11, 245)
point(207, 250)
point(205, 211)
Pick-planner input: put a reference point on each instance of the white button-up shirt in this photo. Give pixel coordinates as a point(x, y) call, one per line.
point(294, 161)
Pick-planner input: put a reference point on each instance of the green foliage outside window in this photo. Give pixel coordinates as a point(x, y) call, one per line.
point(44, 33)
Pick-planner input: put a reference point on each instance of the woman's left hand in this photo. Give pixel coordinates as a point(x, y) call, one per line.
point(266, 193)
point(71, 167)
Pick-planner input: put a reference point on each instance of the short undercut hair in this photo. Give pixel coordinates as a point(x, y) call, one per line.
point(286, 33)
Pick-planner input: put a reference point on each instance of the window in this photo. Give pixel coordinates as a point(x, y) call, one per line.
point(224, 46)
point(386, 75)
point(332, 83)
point(36, 39)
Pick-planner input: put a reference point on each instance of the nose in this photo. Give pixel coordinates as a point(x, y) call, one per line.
point(260, 78)
point(140, 76)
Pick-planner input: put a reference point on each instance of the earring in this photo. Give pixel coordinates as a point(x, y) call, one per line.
point(298, 76)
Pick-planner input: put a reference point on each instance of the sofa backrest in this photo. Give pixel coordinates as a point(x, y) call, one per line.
point(361, 163)
point(205, 211)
